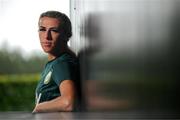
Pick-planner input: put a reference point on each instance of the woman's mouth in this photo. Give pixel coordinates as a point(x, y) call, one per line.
point(46, 44)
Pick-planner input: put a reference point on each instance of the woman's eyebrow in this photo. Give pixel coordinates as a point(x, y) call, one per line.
point(55, 28)
point(42, 26)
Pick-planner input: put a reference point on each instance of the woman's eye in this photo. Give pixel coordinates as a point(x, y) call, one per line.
point(42, 29)
point(54, 30)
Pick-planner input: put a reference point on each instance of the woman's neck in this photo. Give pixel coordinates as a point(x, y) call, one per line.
point(52, 56)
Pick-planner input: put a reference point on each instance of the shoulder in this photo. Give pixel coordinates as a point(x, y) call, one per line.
point(65, 59)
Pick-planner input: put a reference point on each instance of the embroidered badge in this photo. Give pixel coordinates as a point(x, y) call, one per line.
point(48, 77)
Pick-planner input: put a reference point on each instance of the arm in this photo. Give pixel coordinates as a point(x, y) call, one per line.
point(65, 102)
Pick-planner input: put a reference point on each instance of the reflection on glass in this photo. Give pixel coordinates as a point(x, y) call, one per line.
point(129, 53)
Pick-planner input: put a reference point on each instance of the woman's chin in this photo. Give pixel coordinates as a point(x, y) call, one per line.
point(47, 50)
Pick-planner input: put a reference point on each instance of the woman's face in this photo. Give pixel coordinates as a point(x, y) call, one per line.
point(49, 34)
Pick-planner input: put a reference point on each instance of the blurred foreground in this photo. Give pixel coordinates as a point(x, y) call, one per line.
point(86, 116)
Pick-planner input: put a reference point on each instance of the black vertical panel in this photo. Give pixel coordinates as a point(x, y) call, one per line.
point(129, 54)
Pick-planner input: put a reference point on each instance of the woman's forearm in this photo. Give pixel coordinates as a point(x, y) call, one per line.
point(57, 104)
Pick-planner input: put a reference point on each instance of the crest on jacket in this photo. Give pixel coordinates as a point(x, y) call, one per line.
point(48, 77)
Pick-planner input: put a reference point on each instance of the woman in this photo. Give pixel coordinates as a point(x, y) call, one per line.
point(56, 88)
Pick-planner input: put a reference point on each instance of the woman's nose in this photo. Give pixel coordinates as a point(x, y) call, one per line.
point(48, 35)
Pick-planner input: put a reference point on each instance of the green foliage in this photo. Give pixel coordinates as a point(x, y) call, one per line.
point(18, 77)
point(17, 92)
point(13, 61)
